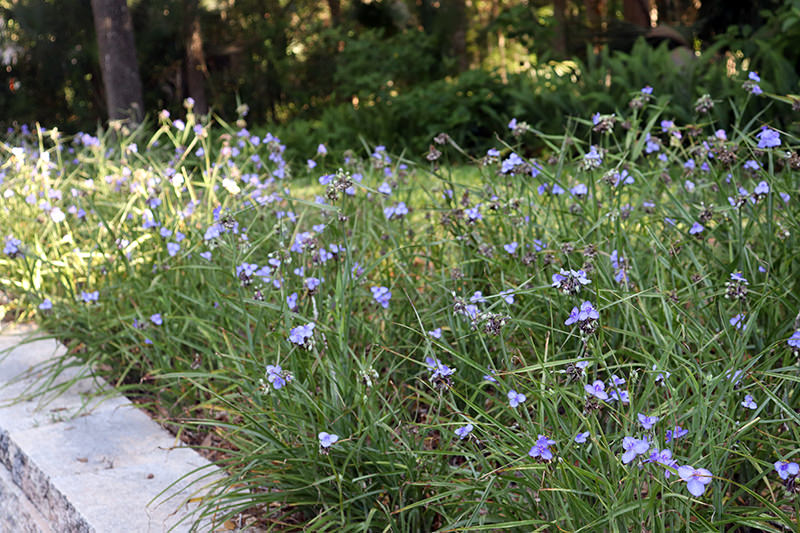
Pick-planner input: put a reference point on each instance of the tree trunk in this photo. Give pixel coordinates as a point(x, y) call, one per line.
point(117, 52)
point(458, 39)
point(196, 70)
point(594, 13)
point(560, 12)
point(335, 8)
point(637, 12)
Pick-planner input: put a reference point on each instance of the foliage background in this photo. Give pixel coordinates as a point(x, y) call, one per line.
point(321, 71)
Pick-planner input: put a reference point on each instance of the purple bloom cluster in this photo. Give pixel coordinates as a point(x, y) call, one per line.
point(12, 247)
point(382, 295)
point(541, 449)
point(303, 335)
point(570, 281)
point(586, 317)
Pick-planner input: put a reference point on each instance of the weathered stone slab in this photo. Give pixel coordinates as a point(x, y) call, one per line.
point(80, 462)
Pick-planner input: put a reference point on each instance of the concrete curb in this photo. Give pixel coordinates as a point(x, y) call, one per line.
point(83, 464)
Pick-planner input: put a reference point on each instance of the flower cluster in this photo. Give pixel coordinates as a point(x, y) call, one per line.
point(440, 373)
point(303, 336)
point(586, 317)
point(382, 295)
point(541, 449)
point(736, 287)
point(570, 281)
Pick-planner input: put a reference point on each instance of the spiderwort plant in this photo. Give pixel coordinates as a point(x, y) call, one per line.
point(285, 277)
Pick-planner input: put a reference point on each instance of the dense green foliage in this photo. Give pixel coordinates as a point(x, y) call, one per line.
point(636, 267)
point(476, 104)
point(398, 61)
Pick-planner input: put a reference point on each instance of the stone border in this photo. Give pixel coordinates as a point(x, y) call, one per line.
point(82, 462)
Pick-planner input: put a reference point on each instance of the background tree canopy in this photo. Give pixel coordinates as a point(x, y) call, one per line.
point(396, 71)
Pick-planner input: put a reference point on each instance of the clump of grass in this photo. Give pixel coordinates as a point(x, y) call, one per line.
point(600, 336)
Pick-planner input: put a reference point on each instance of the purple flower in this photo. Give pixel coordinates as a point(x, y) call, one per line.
point(651, 145)
point(46, 304)
point(622, 178)
point(473, 214)
point(436, 333)
point(696, 479)
point(542, 448)
point(660, 377)
point(275, 376)
point(737, 276)
point(302, 335)
point(477, 297)
point(753, 76)
point(173, 248)
point(511, 248)
point(768, 138)
point(11, 248)
point(490, 377)
point(515, 398)
point(676, 433)
point(570, 281)
point(291, 301)
point(761, 189)
point(326, 440)
point(786, 469)
point(751, 165)
point(647, 90)
point(663, 457)
point(588, 312)
point(696, 229)
point(311, 283)
point(794, 340)
point(510, 163)
point(89, 297)
point(756, 89)
point(156, 319)
point(439, 370)
point(738, 321)
point(734, 376)
point(622, 395)
point(597, 389)
point(749, 403)
point(246, 270)
point(382, 295)
point(647, 421)
point(464, 431)
point(399, 210)
point(633, 447)
point(507, 295)
point(580, 190)
point(580, 438)
point(593, 158)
